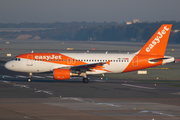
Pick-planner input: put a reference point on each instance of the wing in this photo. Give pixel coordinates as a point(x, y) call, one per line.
point(87, 67)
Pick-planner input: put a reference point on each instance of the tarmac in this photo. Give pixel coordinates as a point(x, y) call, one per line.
point(101, 99)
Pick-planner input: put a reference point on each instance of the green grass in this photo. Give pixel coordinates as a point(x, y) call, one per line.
point(175, 85)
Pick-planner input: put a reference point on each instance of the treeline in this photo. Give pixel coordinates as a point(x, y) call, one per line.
point(58, 25)
point(92, 31)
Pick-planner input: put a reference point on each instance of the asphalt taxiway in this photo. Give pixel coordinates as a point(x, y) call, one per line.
point(102, 98)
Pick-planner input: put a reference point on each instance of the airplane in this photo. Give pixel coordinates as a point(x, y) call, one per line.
point(66, 65)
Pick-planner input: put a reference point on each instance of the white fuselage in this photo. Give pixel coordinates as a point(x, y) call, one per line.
point(117, 65)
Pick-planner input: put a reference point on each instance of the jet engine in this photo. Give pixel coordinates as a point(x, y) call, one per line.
point(61, 74)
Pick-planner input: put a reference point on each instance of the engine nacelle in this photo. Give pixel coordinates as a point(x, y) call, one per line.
point(61, 74)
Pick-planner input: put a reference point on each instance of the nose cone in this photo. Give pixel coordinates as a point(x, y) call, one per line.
point(8, 66)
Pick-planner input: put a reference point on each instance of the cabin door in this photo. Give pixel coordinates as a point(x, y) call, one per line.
point(30, 60)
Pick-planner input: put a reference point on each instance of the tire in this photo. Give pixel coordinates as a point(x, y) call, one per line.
point(29, 80)
point(85, 80)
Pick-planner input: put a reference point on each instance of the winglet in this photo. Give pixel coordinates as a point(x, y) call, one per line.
point(158, 42)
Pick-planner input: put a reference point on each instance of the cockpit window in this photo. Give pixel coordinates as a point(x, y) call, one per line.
point(16, 59)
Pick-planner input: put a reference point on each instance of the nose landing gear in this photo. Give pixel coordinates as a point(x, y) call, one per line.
point(30, 77)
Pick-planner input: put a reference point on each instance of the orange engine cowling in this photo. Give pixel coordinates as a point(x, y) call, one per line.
point(61, 74)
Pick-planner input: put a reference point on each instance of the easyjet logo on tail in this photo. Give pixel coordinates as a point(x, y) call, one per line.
point(157, 39)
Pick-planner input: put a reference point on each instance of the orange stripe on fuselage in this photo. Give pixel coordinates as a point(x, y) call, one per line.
point(141, 62)
point(57, 58)
point(52, 58)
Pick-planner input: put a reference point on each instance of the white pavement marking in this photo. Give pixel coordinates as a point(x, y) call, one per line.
point(4, 81)
point(138, 86)
point(178, 93)
point(81, 100)
point(99, 80)
point(6, 76)
point(156, 112)
point(14, 84)
point(19, 85)
point(37, 76)
point(43, 91)
point(26, 86)
point(69, 98)
point(20, 76)
point(107, 104)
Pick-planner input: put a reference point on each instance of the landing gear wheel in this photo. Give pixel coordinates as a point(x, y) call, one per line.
point(30, 76)
point(85, 80)
point(29, 80)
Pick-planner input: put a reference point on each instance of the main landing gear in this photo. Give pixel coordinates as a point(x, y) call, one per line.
point(85, 80)
point(30, 77)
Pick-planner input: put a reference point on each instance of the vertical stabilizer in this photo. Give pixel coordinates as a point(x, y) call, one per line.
point(158, 42)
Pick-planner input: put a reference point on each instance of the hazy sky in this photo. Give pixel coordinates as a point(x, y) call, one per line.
point(16, 11)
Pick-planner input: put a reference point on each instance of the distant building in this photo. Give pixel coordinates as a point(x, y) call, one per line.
point(175, 31)
point(135, 20)
point(127, 23)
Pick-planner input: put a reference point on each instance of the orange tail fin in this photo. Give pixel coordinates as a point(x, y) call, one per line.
point(158, 42)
